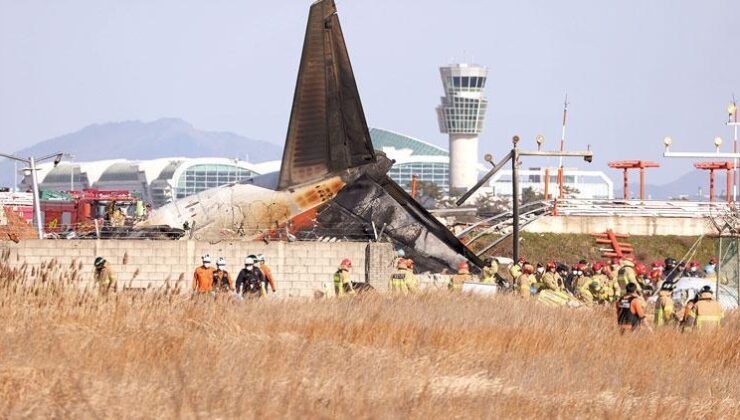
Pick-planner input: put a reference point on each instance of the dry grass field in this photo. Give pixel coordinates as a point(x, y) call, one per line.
point(68, 354)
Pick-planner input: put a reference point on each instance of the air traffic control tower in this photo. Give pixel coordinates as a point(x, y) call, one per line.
point(461, 115)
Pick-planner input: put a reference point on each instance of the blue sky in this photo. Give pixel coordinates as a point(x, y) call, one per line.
point(634, 71)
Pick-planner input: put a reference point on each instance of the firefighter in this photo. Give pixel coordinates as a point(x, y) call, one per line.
point(411, 282)
point(670, 272)
point(105, 278)
point(222, 280)
point(688, 317)
point(203, 276)
point(462, 276)
point(525, 282)
point(643, 281)
point(592, 293)
point(267, 273)
point(342, 282)
point(708, 311)
point(490, 271)
point(627, 274)
point(399, 279)
point(630, 310)
point(656, 272)
point(693, 270)
point(664, 308)
point(551, 280)
point(516, 269)
point(539, 271)
point(609, 287)
point(250, 279)
point(582, 280)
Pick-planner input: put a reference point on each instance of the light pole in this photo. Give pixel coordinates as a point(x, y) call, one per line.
point(71, 172)
point(31, 162)
point(514, 155)
point(667, 142)
point(732, 121)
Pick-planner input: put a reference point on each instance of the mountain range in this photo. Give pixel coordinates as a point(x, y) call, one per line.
point(173, 137)
point(137, 140)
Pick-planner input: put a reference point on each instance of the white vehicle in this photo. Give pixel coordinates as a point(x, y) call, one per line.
point(687, 287)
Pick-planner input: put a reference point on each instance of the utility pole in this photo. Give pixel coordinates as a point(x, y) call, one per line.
point(31, 162)
point(514, 156)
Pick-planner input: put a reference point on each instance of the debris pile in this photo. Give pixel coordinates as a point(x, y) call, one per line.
point(13, 227)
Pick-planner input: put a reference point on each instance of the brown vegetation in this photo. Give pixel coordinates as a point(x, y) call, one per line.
point(66, 353)
point(572, 247)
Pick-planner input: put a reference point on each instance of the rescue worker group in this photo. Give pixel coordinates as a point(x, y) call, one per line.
point(626, 284)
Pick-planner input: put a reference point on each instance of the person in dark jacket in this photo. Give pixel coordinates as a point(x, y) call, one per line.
point(250, 279)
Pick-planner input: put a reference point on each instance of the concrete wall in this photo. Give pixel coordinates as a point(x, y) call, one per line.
point(628, 224)
point(300, 268)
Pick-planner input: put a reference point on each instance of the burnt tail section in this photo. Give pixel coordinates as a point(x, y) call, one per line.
point(327, 131)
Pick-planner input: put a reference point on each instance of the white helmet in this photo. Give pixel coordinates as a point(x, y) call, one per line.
point(221, 262)
point(249, 261)
point(206, 258)
point(261, 257)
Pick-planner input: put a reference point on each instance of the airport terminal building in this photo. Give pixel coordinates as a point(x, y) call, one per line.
point(159, 181)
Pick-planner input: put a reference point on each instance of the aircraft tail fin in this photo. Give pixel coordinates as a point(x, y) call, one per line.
point(327, 130)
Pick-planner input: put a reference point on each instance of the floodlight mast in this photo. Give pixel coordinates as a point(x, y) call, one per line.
point(514, 155)
point(31, 162)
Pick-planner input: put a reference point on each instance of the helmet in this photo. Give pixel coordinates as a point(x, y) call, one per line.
point(402, 263)
point(261, 258)
point(346, 263)
point(249, 261)
point(640, 268)
point(595, 286)
point(221, 262)
point(528, 268)
point(522, 260)
point(488, 262)
point(713, 260)
point(552, 264)
point(581, 267)
point(400, 252)
point(656, 264)
point(99, 261)
point(463, 266)
point(598, 266)
point(694, 264)
point(706, 289)
point(206, 259)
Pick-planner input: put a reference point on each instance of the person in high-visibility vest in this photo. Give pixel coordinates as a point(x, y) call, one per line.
point(490, 271)
point(551, 279)
point(398, 283)
point(664, 308)
point(463, 276)
point(708, 311)
point(342, 283)
point(525, 281)
point(516, 269)
point(609, 286)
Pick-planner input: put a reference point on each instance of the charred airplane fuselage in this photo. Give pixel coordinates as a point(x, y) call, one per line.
point(329, 170)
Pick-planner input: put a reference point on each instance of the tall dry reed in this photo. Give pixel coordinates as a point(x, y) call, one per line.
point(65, 352)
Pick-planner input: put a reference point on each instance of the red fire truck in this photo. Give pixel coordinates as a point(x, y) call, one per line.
point(78, 210)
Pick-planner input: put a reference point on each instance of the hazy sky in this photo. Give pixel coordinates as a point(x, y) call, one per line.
point(634, 71)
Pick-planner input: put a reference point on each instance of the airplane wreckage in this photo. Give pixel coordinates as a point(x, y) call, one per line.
point(332, 183)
